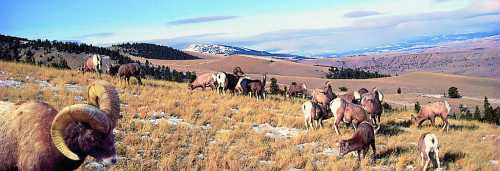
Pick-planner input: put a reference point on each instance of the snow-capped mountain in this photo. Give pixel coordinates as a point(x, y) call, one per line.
point(231, 50)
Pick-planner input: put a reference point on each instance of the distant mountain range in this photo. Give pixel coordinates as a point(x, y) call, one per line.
point(225, 50)
point(414, 45)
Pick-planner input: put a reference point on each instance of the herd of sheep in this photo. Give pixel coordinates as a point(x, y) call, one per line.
point(61, 140)
point(362, 109)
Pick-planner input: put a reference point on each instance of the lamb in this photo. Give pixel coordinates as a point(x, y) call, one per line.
point(59, 140)
point(372, 103)
point(296, 89)
point(430, 111)
point(362, 139)
point(128, 70)
point(93, 64)
point(313, 115)
point(203, 81)
point(428, 143)
point(346, 112)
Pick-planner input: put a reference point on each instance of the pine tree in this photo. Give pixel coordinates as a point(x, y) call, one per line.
point(488, 111)
point(477, 114)
point(275, 89)
point(399, 90)
point(417, 107)
point(453, 93)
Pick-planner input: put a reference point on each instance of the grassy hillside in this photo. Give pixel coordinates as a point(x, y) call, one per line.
point(166, 127)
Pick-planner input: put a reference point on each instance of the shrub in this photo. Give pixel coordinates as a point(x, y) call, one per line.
point(343, 88)
point(275, 89)
point(387, 106)
point(399, 90)
point(453, 93)
point(417, 107)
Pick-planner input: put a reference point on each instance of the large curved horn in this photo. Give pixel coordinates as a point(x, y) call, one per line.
point(89, 114)
point(104, 95)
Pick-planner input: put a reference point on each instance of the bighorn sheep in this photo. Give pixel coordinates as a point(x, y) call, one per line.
point(428, 143)
point(430, 111)
point(323, 95)
point(346, 112)
point(93, 64)
point(59, 140)
point(257, 87)
point(220, 80)
point(233, 79)
point(352, 97)
point(296, 89)
point(203, 81)
point(128, 70)
point(238, 87)
point(313, 115)
point(112, 69)
point(360, 142)
point(372, 103)
point(362, 91)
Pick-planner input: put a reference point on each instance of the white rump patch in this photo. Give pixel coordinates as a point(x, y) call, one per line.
point(334, 105)
point(357, 96)
point(448, 107)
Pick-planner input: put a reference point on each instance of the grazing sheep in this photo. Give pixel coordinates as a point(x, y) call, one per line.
point(58, 140)
point(353, 97)
point(234, 79)
point(428, 143)
point(313, 115)
point(128, 70)
point(203, 81)
point(360, 142)
point(296, 89)
point(324, 95)
point(346, 112)
point(112, 69)
point(93, 64)
point(372, 103)
point(254, 87)
point(430, 111)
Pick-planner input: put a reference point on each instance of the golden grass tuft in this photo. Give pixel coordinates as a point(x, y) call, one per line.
point(217, 131)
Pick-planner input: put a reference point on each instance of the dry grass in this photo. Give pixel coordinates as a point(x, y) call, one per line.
point(217, 132)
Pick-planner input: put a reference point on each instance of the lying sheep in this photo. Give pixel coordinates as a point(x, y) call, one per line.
point(360, 141)
point(59, 140)
point(346, 112)
point(203, 81)
point(428, 143)
point(430, 111)
point(313, 115)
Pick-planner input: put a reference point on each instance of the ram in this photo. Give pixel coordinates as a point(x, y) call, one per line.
point(59, 140)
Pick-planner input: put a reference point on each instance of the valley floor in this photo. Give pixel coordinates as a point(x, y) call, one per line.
point(167, 127)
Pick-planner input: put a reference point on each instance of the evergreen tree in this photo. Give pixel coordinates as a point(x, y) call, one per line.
point(399, 90)
point(488, 111)
point(417, 107)
point(477, 114)
point(275, 89)
point(453, 92)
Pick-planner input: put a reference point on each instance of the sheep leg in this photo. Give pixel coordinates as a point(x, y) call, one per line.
point(426, 156)
point(436, 154)
point(433, 120)
point(374, 152)
point(446, 124)
point(358, 162)
point(320, 122)
point(336, 126)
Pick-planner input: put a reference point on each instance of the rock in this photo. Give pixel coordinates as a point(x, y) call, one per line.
point(330, 152)
point(94, 166)
point(493, 162)
point(10, 83)
point(410, 168)
point(79, 98)
point(265, 162)
point(276, 132)
point(200, 156)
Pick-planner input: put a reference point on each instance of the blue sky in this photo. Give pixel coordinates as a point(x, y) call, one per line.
point(285, 26)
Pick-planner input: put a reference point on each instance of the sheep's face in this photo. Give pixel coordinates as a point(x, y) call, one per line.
point(98, 145)
point(344, 147)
